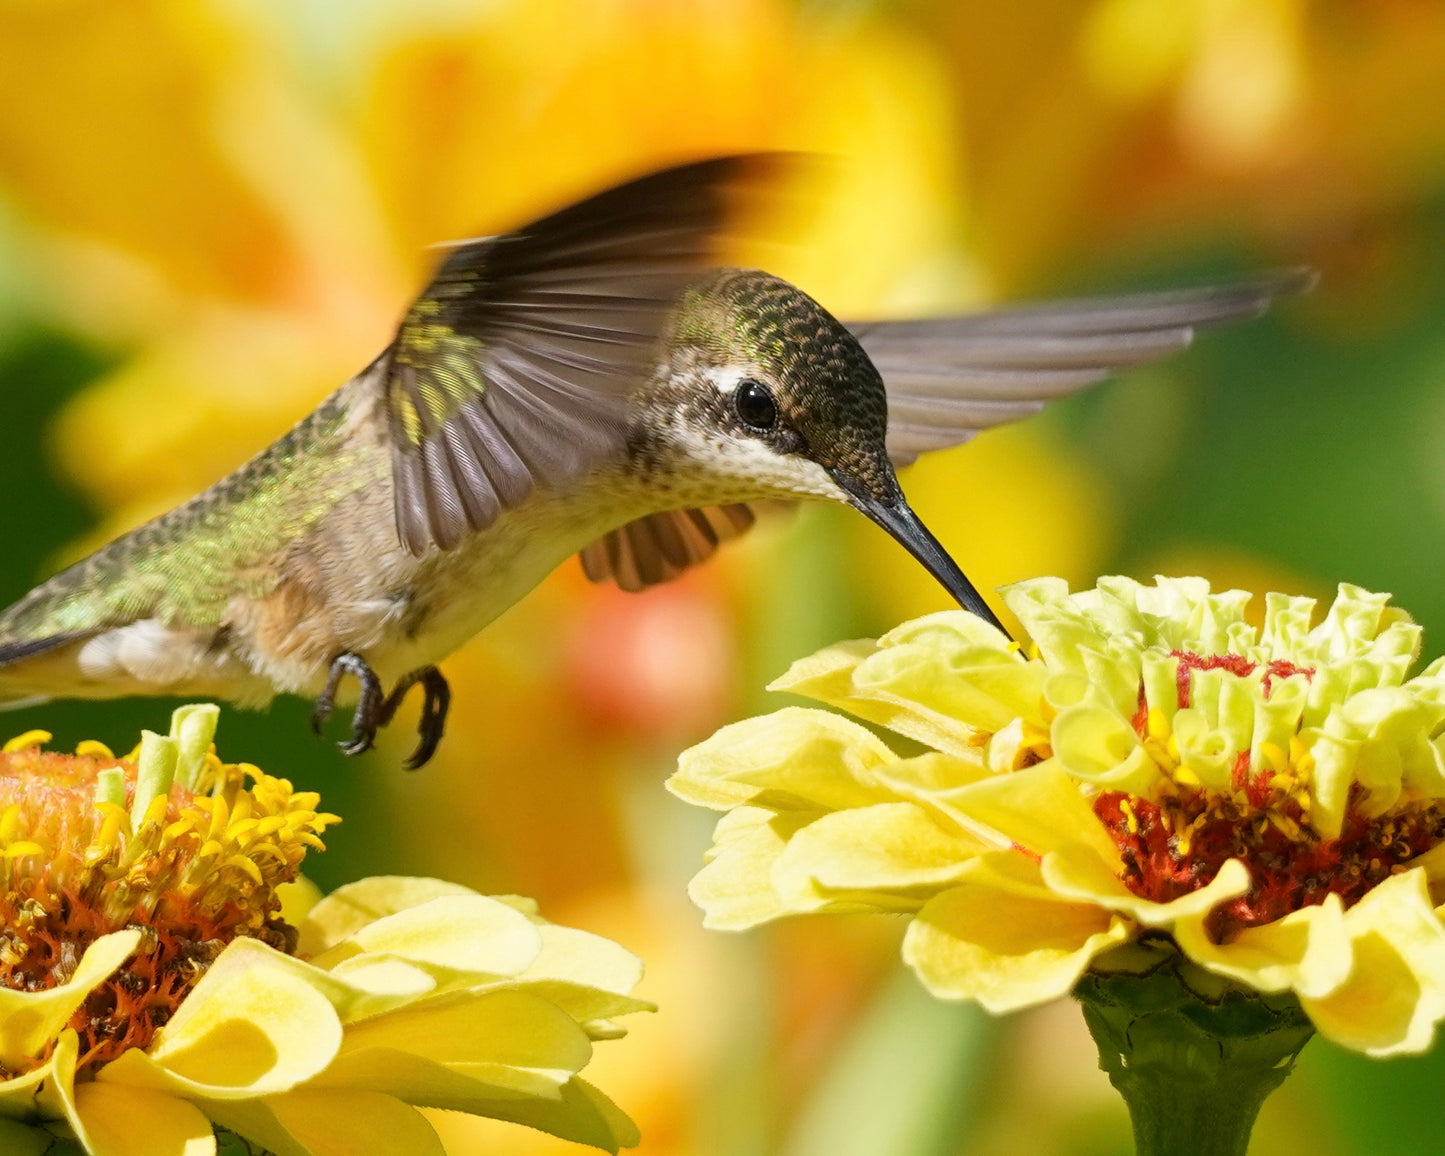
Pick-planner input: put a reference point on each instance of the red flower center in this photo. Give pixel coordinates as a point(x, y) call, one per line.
point(1177, 844)
point(1289, 866)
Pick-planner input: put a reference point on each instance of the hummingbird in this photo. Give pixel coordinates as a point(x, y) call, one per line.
point(588, 384)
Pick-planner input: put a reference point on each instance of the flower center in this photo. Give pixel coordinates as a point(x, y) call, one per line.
point(1176, 842)
point(89, 845)
point(1176, 846)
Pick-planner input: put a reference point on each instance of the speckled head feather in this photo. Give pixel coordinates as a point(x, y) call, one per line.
point(822, 425)
point(828, 392)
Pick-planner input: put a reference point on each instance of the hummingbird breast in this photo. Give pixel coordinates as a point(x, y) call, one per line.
point(350, 585)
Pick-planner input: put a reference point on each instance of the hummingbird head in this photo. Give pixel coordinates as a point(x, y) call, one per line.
point(764, 394)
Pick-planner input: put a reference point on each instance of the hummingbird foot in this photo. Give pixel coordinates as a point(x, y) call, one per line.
point(437, 700)
point(369, 705)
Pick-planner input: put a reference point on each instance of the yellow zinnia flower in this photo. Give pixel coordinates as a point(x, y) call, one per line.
point(1266, 808)
point(152, 988)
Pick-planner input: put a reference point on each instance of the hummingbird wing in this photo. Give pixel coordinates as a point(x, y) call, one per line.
point(659, 547)
point(949, 377)
point(513, 367)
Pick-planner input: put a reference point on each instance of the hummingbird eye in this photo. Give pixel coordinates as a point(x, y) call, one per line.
point(755, 407)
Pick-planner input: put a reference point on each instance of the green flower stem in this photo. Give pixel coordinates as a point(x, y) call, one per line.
point(1193, 1055)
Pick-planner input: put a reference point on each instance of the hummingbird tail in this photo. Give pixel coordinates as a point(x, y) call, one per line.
point(18, 650)
point(25, 683)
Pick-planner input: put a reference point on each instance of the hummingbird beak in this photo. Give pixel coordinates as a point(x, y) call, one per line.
point(895, 516)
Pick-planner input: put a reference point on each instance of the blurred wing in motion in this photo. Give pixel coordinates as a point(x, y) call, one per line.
point(512, 369)
point(949, 377)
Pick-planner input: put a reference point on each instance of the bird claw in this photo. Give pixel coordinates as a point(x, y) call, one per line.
point(367, 717)
point(435, 704)
point(374, 712)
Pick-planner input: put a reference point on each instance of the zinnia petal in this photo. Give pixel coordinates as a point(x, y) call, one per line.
point(1038, 809)
point(252, 1027)
point(793, 759)
point(1394, 994)
point(894, 853)
point(736, 888)
point(130, 1121)
point(354, 905)
point(330, 1122)
point(505, 1027)
point(459, 932)
point(924, 679)
point(1005, 939)
point(1308, 951)
point(29, 1020)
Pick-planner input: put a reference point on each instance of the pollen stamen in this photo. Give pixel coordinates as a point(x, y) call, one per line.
point(94, 844)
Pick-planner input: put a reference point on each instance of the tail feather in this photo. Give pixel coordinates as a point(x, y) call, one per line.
point(19, 649)
point(24, 683)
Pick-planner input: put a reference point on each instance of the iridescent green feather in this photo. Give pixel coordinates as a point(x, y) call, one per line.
point(187, 565)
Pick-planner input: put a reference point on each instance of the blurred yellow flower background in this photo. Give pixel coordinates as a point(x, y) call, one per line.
point(226, 203)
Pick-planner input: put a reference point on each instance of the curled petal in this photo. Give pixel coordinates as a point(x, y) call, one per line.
point(571, 957)
point(54, 1097)
point(937, 680)
point(465, 932)
point(1334, 768)
point(1003, 938)
point(1039, 809)
point(1307, 951)
point(929, 777)
point(330, 1122)
point(583, 1115)
point(1394, 994)
point(890, 855)
point(298, 899)
point(1098, 745)
point(735, 889)
point(579, 957)
point(1076, 874)
point(1207, 751)
point(513, 1028)
point(793, 759)
point(257, 1023)
point(29, 1020)
point(122, 1121)
point(354, 905)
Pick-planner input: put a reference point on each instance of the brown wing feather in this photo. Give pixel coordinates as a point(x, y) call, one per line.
point(659, 547)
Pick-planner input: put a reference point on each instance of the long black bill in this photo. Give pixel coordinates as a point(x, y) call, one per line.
point(913, 535)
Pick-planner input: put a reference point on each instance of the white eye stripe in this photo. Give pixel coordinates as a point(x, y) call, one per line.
point(725, 379)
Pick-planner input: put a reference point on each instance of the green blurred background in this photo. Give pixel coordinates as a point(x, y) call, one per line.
point(211, 213)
